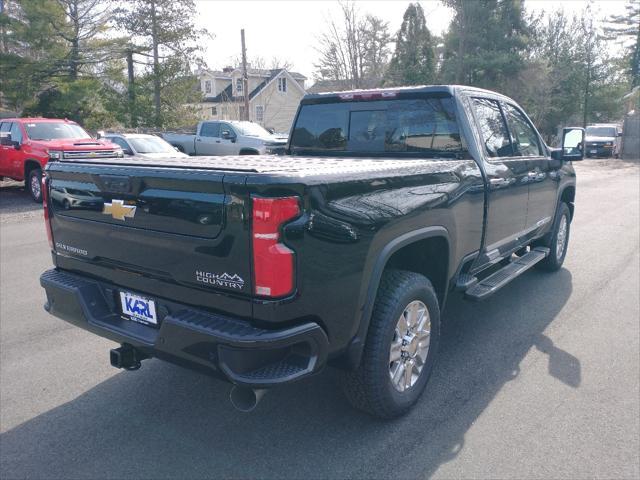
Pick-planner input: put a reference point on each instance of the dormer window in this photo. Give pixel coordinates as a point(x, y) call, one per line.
point(239, 85)
point(282, 84)
point(207, 86)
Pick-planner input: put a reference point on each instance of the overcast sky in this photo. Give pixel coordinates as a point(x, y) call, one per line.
point(289, 30)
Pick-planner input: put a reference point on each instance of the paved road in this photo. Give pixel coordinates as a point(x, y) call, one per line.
point(541, 381)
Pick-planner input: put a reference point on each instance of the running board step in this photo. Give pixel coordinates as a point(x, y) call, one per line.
point(506, 274)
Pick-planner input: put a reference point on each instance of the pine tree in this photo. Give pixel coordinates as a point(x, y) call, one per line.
point(413, 61)
point(626, 29)
point(168, 39)
point(486, 42)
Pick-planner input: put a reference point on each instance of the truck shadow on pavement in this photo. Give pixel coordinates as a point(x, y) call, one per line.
point(166, 422)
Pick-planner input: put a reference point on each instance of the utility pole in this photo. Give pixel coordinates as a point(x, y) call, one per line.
point(245, 78)
point(131, 88)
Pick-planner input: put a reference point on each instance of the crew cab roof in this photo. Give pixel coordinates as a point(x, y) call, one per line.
point(446, 89)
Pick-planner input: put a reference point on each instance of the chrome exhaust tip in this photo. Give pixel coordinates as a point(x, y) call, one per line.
point(245, 399)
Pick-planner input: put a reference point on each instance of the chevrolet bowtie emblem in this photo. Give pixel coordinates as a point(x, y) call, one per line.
point(118, 210)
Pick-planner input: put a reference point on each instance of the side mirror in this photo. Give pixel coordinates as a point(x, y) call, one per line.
point(572, 144)
point(619, 134)
point(5, 140)
point(227, 135)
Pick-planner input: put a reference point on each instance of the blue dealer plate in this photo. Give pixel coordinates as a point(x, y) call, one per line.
point(138, 309)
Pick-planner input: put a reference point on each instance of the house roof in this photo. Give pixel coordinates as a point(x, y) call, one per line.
point(227, 94)
point(256, 72)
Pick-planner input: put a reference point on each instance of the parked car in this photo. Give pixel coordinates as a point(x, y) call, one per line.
point(227, 138)
point(341, 252)
point(143, 145)
point(603, 140)
point(27, 144)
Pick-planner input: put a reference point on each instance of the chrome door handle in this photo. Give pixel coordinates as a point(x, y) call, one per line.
point(501, 182)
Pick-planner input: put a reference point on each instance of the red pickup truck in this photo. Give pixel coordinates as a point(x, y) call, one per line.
point(27, 144)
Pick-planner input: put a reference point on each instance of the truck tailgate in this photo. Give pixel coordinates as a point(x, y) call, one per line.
point(172, 225)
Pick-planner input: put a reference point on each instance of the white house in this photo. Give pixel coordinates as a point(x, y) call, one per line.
point(274, 96)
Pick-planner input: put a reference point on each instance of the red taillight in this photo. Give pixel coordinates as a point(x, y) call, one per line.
point(273, 262)
point(45, 205)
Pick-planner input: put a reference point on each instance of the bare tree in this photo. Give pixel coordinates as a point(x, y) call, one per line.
point(355, 48)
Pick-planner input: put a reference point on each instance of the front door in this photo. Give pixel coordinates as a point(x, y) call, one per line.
point(542, 172)
point(11, 159)
point(208, 139)
point(229, 145)
point(507, 178)
point(5, 151)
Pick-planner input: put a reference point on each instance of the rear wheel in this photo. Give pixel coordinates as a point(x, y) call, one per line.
point(559, 240)
point(34, 184)
point(400, 349)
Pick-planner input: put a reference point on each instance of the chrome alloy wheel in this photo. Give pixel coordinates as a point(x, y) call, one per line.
point(409, 346)
point(561, 241)
point(35, 186)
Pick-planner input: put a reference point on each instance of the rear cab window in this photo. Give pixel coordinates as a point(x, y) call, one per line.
point(412, 127)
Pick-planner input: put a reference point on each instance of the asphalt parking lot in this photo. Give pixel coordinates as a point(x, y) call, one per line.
point(542, 380)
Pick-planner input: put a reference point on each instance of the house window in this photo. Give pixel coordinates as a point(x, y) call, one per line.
point(239, 85)
point(259, 113)
point(207, 86)
point(214, 111)
point(282, 84)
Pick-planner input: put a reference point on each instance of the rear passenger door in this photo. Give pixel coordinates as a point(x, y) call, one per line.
point(542, 172)
point(208, 139)
point(507, 178)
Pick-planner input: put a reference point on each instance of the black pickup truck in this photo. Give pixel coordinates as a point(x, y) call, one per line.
point(263, 269)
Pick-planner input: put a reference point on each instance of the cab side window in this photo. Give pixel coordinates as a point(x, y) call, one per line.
point(525, 139)
point(228, 128)
point(210, 129)
point(16, 133)
point(120, 142)
point(493, 128)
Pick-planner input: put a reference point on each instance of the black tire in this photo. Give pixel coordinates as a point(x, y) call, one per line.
point(249, 152)
point(34, 184)
point(369, 388)
point(555, 259)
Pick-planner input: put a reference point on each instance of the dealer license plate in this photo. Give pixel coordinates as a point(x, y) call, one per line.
point(138, 309)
